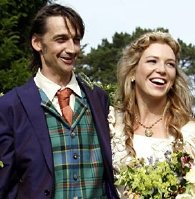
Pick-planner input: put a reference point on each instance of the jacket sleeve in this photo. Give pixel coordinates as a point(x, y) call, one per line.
point(8, 175)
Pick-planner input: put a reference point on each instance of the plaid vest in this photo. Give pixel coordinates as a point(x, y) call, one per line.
point(78, 164)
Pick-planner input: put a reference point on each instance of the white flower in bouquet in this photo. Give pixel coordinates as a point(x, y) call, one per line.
point(184, 196)
point(190, 176)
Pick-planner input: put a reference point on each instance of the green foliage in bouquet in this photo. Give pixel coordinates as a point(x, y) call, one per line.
point(155, 179)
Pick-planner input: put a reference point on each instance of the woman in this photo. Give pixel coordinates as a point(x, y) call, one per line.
point(152, 113)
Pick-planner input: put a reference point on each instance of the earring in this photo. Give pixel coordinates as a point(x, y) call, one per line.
point(132, 79)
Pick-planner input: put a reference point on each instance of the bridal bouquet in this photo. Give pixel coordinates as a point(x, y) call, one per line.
point(172, 178)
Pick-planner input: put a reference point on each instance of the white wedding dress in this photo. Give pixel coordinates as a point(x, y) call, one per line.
point(146, 147)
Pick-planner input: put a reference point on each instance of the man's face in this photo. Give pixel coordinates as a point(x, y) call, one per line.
point(59, 48)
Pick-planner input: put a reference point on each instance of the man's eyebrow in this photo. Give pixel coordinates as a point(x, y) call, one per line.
point(61, 35)
point(67, 36)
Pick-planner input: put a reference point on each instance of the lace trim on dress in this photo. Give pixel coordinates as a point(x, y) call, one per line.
point(119, 151)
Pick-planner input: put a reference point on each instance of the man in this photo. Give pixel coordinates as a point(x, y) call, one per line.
point(45, 153)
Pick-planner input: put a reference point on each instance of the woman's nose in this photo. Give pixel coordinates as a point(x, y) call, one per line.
point(161, 68)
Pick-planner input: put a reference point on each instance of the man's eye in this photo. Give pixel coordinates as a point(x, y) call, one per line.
point(77, 40)
point(60, 40)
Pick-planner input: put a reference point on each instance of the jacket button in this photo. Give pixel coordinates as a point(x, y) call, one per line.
point(75, 177)
point(73, 134)
point(21, 180)
point(75, 156)
point(47, 192)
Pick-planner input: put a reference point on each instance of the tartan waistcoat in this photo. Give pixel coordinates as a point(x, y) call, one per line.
point(78, 164)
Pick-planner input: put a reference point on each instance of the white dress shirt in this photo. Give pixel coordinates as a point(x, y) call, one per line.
point(50, 89)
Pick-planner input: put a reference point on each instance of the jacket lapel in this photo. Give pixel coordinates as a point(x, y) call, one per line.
point(100, 113)
point(100, 117)
point(31, 101)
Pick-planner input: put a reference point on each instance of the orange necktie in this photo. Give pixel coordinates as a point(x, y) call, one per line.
point(63, 99)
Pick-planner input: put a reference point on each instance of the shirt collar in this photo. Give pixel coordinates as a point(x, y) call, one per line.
point(50, 88)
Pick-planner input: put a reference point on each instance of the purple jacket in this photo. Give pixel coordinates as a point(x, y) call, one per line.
point(25, 146)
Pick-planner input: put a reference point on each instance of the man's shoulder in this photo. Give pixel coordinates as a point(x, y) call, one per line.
point(99, 89)
point(12, 95)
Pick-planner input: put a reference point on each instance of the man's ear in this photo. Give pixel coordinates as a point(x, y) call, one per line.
point(36, 43)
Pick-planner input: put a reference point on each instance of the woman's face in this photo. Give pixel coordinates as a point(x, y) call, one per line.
point(156, 72)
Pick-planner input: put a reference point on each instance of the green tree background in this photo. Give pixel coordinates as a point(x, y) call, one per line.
point(99, 64)
point(15, 20)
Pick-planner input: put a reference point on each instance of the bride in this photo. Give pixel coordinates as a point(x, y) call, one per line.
point(152, 113)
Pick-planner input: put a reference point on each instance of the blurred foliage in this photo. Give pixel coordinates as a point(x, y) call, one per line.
point(110, 89)
point(17, 74)
point(15, 23)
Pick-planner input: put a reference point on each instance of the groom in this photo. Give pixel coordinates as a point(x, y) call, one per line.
point(44, 154)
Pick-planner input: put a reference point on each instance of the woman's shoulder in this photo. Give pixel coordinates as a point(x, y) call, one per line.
point(188, 128)
point(188, 132)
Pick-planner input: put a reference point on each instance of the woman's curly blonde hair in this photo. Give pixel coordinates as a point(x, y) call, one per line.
point(178, 109)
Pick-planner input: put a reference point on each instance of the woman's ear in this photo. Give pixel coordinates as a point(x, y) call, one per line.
point(36, 43)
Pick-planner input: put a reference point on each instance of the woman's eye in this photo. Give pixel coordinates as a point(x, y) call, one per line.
point(171, 64)
point(152, 61)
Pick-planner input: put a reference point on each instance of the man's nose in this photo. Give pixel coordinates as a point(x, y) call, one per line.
point(70, 48)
